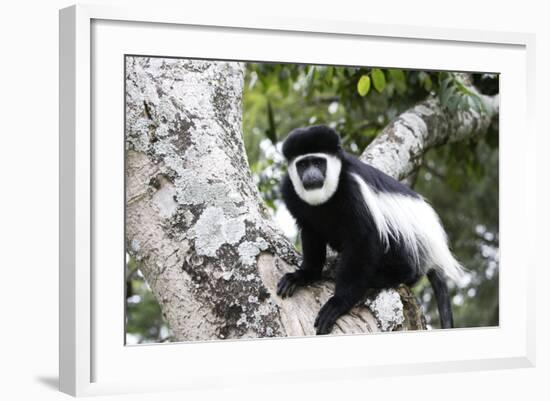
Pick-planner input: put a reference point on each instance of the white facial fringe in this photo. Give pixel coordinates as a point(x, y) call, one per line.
point(415, 223)
point(320, 195)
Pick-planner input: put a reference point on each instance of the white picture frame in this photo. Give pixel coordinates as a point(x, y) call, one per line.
point(93, 358)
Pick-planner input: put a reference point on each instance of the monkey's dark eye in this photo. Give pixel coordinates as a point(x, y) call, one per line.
point(301, 164)
point(316, 162)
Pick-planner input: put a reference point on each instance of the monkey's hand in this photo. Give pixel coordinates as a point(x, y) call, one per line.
point(329, 313)
point(290, 281)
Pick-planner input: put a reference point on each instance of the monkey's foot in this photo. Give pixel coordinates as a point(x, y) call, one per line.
point(290, 281)
point(329, 313)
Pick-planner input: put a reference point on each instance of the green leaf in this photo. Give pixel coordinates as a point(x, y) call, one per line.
point(425, 81)
point(363, 85)
point(453, 102)
point(444, 81)
point(396, 74)
point(444, 96)
point(398, 78)
point(378, 79)
point(428, 84)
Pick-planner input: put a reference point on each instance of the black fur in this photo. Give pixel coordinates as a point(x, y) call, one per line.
point(377, 179)
point(442, 297)
point(344, 223)
point(316, 139)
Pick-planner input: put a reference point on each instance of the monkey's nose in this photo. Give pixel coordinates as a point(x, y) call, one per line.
point(312, 180)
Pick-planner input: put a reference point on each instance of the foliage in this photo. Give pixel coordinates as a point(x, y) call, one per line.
point(460, 180)
point(280, 97)
point(456, 96)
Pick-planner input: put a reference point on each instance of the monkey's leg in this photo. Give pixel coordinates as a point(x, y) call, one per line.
point(351, 286)
point(314, 251)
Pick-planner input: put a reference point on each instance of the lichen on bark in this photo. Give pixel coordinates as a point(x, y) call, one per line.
point(191, 219)
point(196, 223)
point(399, 148)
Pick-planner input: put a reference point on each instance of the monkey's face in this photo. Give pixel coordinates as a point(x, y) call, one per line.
point(315, 176)
point(312, 171)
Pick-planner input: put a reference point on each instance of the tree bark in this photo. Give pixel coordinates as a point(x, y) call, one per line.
point(197, 226)
point(399, 148)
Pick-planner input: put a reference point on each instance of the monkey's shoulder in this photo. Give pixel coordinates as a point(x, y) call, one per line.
point(376, 179)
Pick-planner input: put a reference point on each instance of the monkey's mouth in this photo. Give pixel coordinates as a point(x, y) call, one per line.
point(310, 185)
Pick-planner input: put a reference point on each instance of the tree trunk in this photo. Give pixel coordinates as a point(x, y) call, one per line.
point(197, 225)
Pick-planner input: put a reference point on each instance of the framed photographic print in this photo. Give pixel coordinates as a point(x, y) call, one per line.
point(236, 194)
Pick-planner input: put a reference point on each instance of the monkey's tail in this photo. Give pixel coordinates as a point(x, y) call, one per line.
point(439, 285)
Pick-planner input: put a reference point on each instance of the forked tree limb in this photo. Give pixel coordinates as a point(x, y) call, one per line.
point(195, 221)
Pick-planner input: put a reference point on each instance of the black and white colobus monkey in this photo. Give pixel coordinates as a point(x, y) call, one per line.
point(386, 234)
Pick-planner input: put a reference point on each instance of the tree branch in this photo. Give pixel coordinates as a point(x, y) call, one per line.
point(399, 148)
point(197, 224)
point(195, 221)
